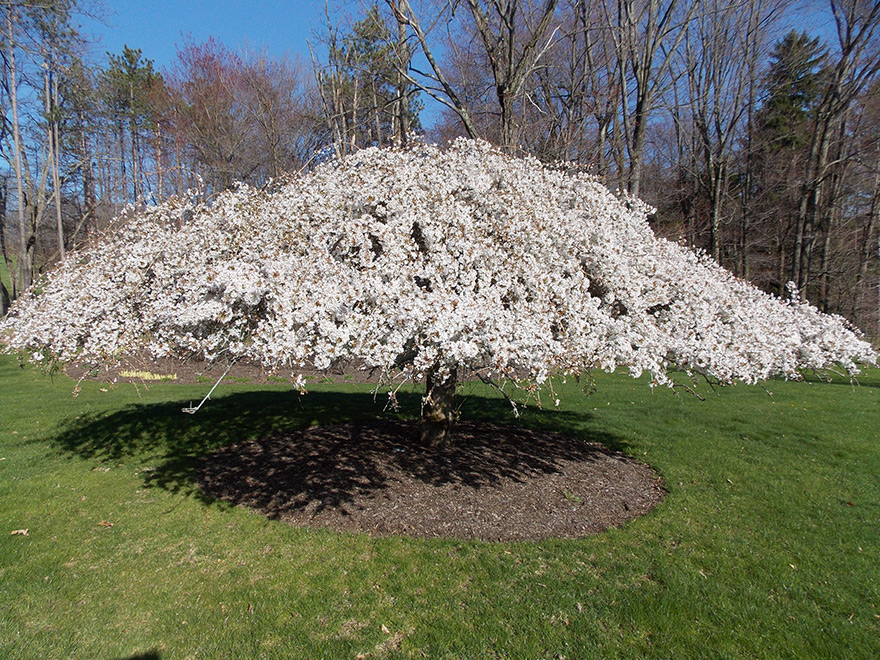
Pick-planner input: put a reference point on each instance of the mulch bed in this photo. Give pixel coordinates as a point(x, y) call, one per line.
point(496, 483)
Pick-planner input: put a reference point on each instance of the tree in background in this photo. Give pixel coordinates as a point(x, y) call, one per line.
point(511, 37)
point(86, 141)
point(128, 85)
point(865, 229)
point(283, 113)
point(573, 110)
point(208, 116)
point(237, 117)
point(779, 144)
point(849, 72)
point(718, 63)
point(365, 99)
point(37, 45)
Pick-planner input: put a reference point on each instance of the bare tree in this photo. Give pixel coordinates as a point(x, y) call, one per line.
point(647, 34)
point(435, 83)
point(238, 117)
point(34, 35)
point(863, 302)
point(857, 63)
point(274, 94)
point(571, 101)
point(512, 58)
point(720, 64)
point(22, 275)
point(513, 36)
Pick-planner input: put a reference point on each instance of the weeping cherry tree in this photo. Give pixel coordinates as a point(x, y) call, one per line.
point(430, 264)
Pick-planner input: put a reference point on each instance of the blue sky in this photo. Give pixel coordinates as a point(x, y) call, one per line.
point(157, 26)
point(280, 26)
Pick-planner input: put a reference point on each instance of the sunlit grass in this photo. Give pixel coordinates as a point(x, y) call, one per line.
point(5, 275)
point(765, 547)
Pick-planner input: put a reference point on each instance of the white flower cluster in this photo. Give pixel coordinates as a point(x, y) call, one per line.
point(404, 260)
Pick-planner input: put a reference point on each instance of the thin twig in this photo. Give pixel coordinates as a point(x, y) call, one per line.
point(193, 411)
point(492, 383)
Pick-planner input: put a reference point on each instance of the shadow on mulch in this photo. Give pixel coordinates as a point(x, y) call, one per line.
point(331, 460)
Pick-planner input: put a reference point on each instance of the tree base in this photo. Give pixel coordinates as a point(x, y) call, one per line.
point(438, 410)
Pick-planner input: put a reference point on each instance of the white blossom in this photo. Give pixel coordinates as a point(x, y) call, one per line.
point(403, 260)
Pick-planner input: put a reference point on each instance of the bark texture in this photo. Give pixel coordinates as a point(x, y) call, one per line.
point(438, 409)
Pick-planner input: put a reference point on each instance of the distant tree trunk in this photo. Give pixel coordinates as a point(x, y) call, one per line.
point(637, 152)
point(824, 268)
point(866, 247)
point(135, 165)
point(24, 274)
point(5, 296)
point(810, 205)
point(54, 149)
point(440, 89)
point(377, 115)
point(780, 273)
point(717, 177)
point(438, 409)
point(120, 146)
point(746, 184)
point(159, 172)
point(401, 105)
point(135, 145)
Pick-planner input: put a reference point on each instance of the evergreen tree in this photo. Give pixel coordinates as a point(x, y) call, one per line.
point(129, 81)
point(792, 89)
point(362, 89)
point(793, 86)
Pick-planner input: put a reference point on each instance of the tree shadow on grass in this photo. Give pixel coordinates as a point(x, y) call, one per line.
point(280, 450)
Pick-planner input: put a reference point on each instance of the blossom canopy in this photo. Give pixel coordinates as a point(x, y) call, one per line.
point(414, 260)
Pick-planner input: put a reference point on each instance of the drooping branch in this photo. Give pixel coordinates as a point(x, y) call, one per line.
point(424, 262)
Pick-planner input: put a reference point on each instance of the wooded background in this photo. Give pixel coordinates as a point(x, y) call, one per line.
point(755, 140)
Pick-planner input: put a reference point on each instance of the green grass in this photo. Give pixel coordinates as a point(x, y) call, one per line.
point(5, 275)
point(766, 546)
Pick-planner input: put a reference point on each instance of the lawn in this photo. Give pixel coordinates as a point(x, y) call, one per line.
point(765, 547)
point(5, 278)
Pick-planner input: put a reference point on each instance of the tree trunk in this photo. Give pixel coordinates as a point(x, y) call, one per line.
point(5, 296)
point(120, 146)
point(55, 149)
point(602, 163)
point(158, 137)
point(637, 152)
point(438, 409)
point(824, 275)
point(401, 104)
point(716, 174)
point(866, 247)
point(23, 279)
point(507, 125)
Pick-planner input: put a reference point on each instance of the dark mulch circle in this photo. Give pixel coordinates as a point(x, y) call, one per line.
point(496, 483)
